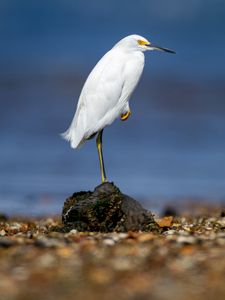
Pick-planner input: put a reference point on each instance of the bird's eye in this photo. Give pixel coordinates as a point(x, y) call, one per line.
point(143, 43)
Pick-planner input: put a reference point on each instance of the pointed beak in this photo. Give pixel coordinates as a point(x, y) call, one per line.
point(154, 47)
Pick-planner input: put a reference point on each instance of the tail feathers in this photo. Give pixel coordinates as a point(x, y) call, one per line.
point(76, 140)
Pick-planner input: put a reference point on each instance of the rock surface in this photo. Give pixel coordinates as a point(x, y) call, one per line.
point(106, 209)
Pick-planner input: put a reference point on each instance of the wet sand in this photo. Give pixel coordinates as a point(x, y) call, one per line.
point(185, 261)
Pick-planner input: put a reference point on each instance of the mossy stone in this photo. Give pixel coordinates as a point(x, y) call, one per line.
point(106, 209)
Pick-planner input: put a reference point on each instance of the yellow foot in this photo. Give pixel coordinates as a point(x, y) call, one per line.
point(125, 116)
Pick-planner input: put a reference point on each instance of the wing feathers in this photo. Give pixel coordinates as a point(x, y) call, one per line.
point(104, 95)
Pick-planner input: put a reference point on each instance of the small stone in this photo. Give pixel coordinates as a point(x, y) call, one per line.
point(3, 217)
point(30, 235)
point(221, 222)
point(73, 231)
point(6, 243)
point(122, 235)
point(2, 232)
point(15, 226)
point(208, 228)
point(48, 243)
point(186, 239)
point(145, 237)
point(187, 228)
point(183, 232)
point(165, 222)
point(222, 214)
point(169, 211)
point(169, 232)
point(109, 242)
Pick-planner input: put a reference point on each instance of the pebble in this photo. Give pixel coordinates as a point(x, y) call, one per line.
point(221, 221)
point(2, 232)
point(108, 242)
point(49, 243)
point(140, 261)
point(145, 237)
point(15, 226)
point(187, 228)
point(186, 239)
point(6, 243)
point(169, 232)
point(122, 235)
point(73, 231)
point(165, 222)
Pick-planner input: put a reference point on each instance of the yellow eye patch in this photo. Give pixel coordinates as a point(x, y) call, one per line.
point(143, 43)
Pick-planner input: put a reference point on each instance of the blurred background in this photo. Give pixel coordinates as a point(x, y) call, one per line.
point(172, 147)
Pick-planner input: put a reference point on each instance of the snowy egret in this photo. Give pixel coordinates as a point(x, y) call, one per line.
point(107, 90)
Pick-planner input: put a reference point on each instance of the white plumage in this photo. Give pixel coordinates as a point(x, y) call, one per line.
point(107, 90)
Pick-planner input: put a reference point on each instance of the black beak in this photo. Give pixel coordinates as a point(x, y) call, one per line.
point(154, 47)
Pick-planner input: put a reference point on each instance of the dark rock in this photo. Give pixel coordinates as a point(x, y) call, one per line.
point(169, 211)
point(222, 215)
point(46, 242)
point(3, 217)
point(106, 209)
point(6, 243)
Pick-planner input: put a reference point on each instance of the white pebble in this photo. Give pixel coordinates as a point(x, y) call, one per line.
point(109, 242)
point(2, 232)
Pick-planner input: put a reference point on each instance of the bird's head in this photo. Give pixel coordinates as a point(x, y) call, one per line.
point(137, 42)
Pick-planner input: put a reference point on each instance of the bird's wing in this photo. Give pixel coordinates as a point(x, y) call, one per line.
point(100, 98)
point(104, 95)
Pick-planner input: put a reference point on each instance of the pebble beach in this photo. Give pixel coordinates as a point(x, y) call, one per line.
point(186, 260)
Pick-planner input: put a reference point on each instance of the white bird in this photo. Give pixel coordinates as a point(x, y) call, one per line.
point(107, 90)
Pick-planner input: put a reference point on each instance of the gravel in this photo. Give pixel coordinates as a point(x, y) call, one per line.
point(185, 261)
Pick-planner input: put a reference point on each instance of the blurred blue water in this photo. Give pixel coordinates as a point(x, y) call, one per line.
point(172, 146)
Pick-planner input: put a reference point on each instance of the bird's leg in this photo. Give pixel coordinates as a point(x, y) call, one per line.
point(125, 116)
point(100, 155)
